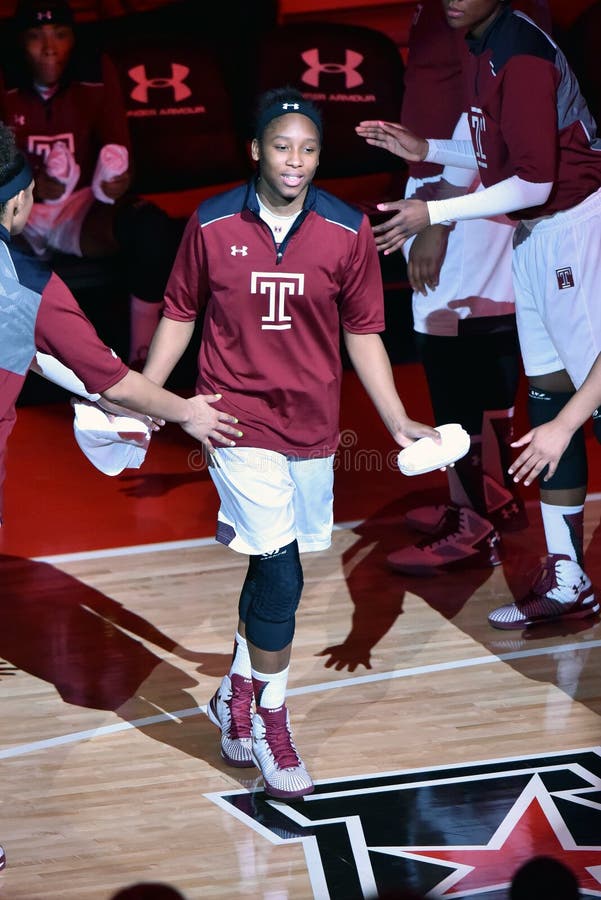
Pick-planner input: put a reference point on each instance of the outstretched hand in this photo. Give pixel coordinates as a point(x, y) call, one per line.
point(395, 138)
point(545, 445)
point(411, 218)
point(208, 424)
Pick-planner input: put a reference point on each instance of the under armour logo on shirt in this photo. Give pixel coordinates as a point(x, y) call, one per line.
point(243, 251)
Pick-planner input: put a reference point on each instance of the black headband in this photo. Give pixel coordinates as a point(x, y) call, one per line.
point(284, 108)
point(17, 182)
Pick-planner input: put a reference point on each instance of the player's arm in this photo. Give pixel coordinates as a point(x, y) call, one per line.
point(545, 444)
point(370, 361)
point(168, 345)
point(195, 415)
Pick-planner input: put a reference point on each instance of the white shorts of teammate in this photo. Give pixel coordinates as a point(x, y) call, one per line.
point(57, 226)
point(556, 270)
point(268, 500)
point(475, 279)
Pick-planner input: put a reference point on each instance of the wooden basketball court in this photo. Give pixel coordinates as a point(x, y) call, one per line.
point(444, 752)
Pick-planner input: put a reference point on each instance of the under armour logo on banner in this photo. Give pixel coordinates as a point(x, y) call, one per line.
point(565, 278)
point(242, 250)
point(177, 82)
point(349, 69)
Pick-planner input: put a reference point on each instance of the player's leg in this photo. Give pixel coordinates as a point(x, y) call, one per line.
point(560, 334)
point(259, 515)
point(458, 389)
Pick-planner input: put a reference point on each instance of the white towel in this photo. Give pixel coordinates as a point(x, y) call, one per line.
point(112, 160)
point(111, 443)
point(60, 164)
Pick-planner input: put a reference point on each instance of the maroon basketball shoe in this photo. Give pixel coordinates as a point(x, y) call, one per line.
point(230, 709)
point(464, 539)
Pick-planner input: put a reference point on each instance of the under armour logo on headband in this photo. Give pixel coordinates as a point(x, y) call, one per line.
point(41, 15)
point(290, 105)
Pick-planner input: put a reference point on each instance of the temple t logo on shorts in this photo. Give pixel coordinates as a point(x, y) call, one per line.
point(565, 278)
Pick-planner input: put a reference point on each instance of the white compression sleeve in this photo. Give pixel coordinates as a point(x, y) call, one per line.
point(506, 196)
point(451, 153)
point(461, 176)
point(53, 370)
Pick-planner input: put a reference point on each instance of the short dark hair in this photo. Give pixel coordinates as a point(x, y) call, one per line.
point(10, 158)
point(271, 103)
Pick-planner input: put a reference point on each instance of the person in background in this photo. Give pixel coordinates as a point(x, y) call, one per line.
point(464, 318)
point(68, 117)
point(281, 267)
point(534, 144)
point(38, 312)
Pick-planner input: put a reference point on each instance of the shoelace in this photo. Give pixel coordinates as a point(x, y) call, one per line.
point(280, 743)
point(240, 704)
point(451, 525)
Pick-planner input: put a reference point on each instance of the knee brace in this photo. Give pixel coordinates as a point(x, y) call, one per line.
point(270, 597)
point(597, 424)
point(572, 470)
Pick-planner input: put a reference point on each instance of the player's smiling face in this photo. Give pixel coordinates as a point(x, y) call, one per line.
point(473, 15)
point(47, 50)
point(288, 156)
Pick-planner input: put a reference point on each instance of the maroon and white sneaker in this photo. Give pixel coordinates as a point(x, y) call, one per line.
point(464, 539)
point(273, 750)
point(561, 590)
point(505, 510)
point(230, 709)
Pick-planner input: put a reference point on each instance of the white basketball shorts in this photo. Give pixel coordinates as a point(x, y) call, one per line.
point(556, 269)
point(475, 278)
point(268, 500)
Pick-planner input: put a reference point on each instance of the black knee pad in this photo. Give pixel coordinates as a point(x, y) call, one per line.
point(572, 470)
point(597, 424)
point(271, 594)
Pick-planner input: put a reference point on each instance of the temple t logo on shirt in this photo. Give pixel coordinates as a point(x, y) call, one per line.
point(565, 278)
point(277, 288)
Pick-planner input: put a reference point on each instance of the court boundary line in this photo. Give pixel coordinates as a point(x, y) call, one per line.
point(391, 675)
point(188, 544)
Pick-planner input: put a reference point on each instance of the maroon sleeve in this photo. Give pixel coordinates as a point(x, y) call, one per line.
point(362, 305)
point(187, 287)
point(529, 118)
point(63, 331)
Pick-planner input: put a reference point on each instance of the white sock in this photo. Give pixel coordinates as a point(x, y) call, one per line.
point(563, 534)
point(143, 320)
point(270, 689)
point(240, 660)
